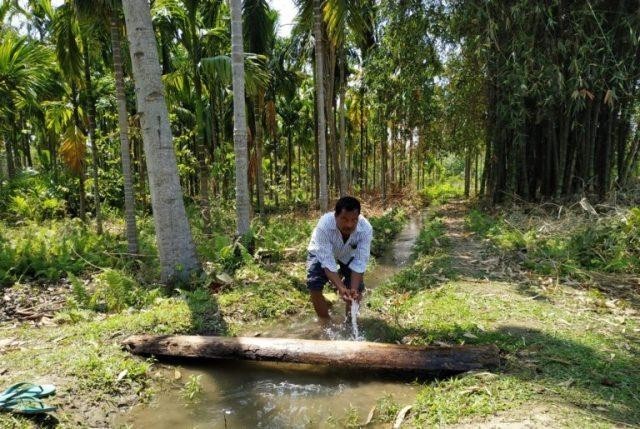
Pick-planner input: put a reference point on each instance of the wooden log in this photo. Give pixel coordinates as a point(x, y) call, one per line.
point(342, 354)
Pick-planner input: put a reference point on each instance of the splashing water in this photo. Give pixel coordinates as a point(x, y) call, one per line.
point(355, 306)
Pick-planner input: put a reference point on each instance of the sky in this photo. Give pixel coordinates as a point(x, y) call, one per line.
point(287, 12)
point(286, 9)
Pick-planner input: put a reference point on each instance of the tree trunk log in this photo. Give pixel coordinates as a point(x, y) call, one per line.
point(344, 354)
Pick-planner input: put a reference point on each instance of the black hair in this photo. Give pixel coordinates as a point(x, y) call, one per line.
point(347, 203)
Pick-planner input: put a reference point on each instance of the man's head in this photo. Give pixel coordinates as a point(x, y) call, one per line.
point(346, 212)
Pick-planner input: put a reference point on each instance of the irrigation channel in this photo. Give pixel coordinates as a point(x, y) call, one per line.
point(238, 394)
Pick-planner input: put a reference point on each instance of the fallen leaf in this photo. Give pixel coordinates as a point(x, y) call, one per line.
point(370, 416)
point(400, 417)
point(558, 360)
point(177, 375)
point(567, 383)
point(6, 342)
point(122, 375)
point(3, 371)
point(470, 335)
point(224, 278)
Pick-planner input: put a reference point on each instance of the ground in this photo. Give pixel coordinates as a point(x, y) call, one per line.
point(569, 347)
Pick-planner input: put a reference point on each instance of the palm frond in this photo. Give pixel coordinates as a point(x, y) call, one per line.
point(217, 71)
point(66, 31)
point(73, 149)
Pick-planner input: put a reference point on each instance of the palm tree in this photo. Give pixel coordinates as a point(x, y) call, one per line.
point(322, 126)
point(108, 11)
point(175, 243)
point(72, 49)
point(239, 120)
point(25, 74)
point(259, 29)
point(185, 17)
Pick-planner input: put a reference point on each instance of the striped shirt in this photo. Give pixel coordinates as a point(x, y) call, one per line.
point(327, 246)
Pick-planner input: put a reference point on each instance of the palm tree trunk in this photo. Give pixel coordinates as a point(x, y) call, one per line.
point(239, 120)
point(289, 163)
point(259, 147)
point(82, 192)
point(323, 197)
point(201, 150)
point(91, 113)
point(11, 166)
point(125, 150)
point(175, 243)
point(343, 90)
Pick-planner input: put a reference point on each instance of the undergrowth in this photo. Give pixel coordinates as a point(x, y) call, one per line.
point(609, 244)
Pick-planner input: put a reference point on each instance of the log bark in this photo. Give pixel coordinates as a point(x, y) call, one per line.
point(343, 354)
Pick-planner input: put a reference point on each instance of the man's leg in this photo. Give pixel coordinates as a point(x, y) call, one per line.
point(319, 304)
point(316, 279)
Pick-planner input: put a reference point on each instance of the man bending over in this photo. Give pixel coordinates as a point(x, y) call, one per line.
point(338, 253)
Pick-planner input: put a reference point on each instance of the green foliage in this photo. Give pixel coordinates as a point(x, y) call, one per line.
point(115, 291)
point(431, 237)
point(386, 409)
point(32, 196)
point(351, 418)
point(479, 222)
point(111, 291)
point(385, 228)
point(282, 237)
point(439, 193)
point(192, 390)
point(610, 244)
point(46, 251)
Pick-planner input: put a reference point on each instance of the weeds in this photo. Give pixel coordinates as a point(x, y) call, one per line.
point(192, 390)
point(385, 228)
point(610, 244)
point(440, 193)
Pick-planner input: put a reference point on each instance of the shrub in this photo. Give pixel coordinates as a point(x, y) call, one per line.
point(385, 228)
point(439, 193)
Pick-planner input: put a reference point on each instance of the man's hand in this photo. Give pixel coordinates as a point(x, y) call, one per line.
point(355, 294)
point(345, 294)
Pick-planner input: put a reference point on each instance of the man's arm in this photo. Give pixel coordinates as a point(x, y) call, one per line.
point(335, 280)
point(356, 279)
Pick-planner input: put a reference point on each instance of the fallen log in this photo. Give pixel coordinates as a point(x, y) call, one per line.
point(342, 354)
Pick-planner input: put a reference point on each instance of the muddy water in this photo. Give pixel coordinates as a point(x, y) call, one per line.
point(240, 394)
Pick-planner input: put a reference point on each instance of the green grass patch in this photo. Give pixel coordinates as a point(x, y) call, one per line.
point(609, 244)
point(440, 193)
point(564, 347)
point(386, 227)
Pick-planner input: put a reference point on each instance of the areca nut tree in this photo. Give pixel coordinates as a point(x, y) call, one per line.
point(323, 195)
point(25, 73)
point(239, 120)
point(72, 51)
point(175, 244)
point(108, 11)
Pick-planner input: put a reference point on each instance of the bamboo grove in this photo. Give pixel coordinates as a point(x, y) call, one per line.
point(518, 98)
point(561, 90)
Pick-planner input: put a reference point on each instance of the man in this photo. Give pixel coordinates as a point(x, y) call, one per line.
point(338, 253)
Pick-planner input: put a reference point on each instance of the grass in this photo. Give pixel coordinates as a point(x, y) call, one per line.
point(439, 193)
point(576, 349)
point(576, 244)
point(386, 227)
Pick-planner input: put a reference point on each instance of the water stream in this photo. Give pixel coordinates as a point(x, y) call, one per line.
point(239, 394)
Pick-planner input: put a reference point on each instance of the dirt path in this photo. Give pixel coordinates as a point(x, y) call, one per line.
point(477, 267)
point(467, 253)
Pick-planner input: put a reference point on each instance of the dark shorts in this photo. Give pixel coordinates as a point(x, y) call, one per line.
point(316, 277)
